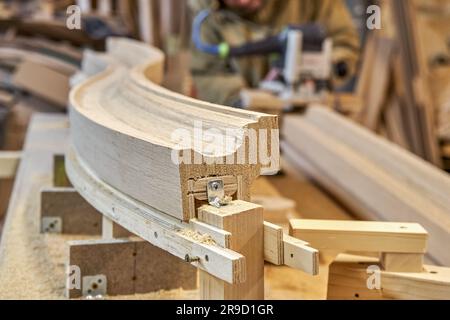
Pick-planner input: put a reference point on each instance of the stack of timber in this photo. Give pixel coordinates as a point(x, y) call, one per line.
point(403, 80)
point(378, 180)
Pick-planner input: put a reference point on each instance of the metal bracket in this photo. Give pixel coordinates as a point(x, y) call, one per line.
point(216, 193)
point(51, 225)
point(94, 286)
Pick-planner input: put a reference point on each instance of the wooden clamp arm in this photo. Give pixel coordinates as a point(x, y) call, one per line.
point(281, 249)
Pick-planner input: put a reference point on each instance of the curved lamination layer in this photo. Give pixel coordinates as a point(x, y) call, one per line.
point(151, 143)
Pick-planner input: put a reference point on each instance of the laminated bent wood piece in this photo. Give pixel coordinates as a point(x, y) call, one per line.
point(151, 143)
point(376, 179)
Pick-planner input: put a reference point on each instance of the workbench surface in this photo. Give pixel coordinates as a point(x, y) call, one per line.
point(32, 264)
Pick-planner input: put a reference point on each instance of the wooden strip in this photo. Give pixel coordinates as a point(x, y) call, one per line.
point(221, 237)
point(155, 227)
point(273, 244)
point(245, 222)
point(299, 255)
point(361, 235)
point(9, 162)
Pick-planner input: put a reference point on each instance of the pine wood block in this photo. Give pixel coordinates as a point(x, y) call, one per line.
point(402, 262)
point(130, 266)
point(348, 277)
point(361, 235)
point(245, 222)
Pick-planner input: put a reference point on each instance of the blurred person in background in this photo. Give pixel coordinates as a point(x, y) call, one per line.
point(238, 22)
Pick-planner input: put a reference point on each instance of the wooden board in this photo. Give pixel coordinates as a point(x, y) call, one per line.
point(123, 123)
point(361, 235)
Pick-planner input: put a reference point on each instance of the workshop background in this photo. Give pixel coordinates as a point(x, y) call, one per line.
point(401, 91)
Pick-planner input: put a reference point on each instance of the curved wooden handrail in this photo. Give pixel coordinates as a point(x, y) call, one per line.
point(127, 129)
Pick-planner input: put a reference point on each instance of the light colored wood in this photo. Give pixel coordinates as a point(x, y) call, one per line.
point(281, 249)
point(273, 244)
point(348, 281)
point(365, 176)
point(104, 131)
point(9, 162)
point(153, 226)
point(107, 228)
point(245, 222)
point(220, 236)
point(361, 235)
point(402, 262)
point(299, 255)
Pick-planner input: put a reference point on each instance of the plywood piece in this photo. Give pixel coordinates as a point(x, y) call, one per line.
point(402, 262)
point(273, 244)
point(299, 255)
point(245, 222)
point(361, 236)
point(123, 111)
point(130, 266)
point(78, 216)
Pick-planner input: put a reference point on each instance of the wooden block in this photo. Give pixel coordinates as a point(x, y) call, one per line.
point(130, 266)
point(361, 235)
point(347, 279)
point(9, 161)
point(431, 284)
point(60, 178)
point(245, 222)
point(402, 262)
point(77, 215)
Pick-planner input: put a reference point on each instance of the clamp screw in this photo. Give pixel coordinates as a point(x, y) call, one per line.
point(190, 259)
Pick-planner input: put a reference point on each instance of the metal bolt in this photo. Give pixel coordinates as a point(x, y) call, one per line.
point(215, 185)
point(190, 259)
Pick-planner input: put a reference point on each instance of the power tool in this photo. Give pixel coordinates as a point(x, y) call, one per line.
point(302, 72)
